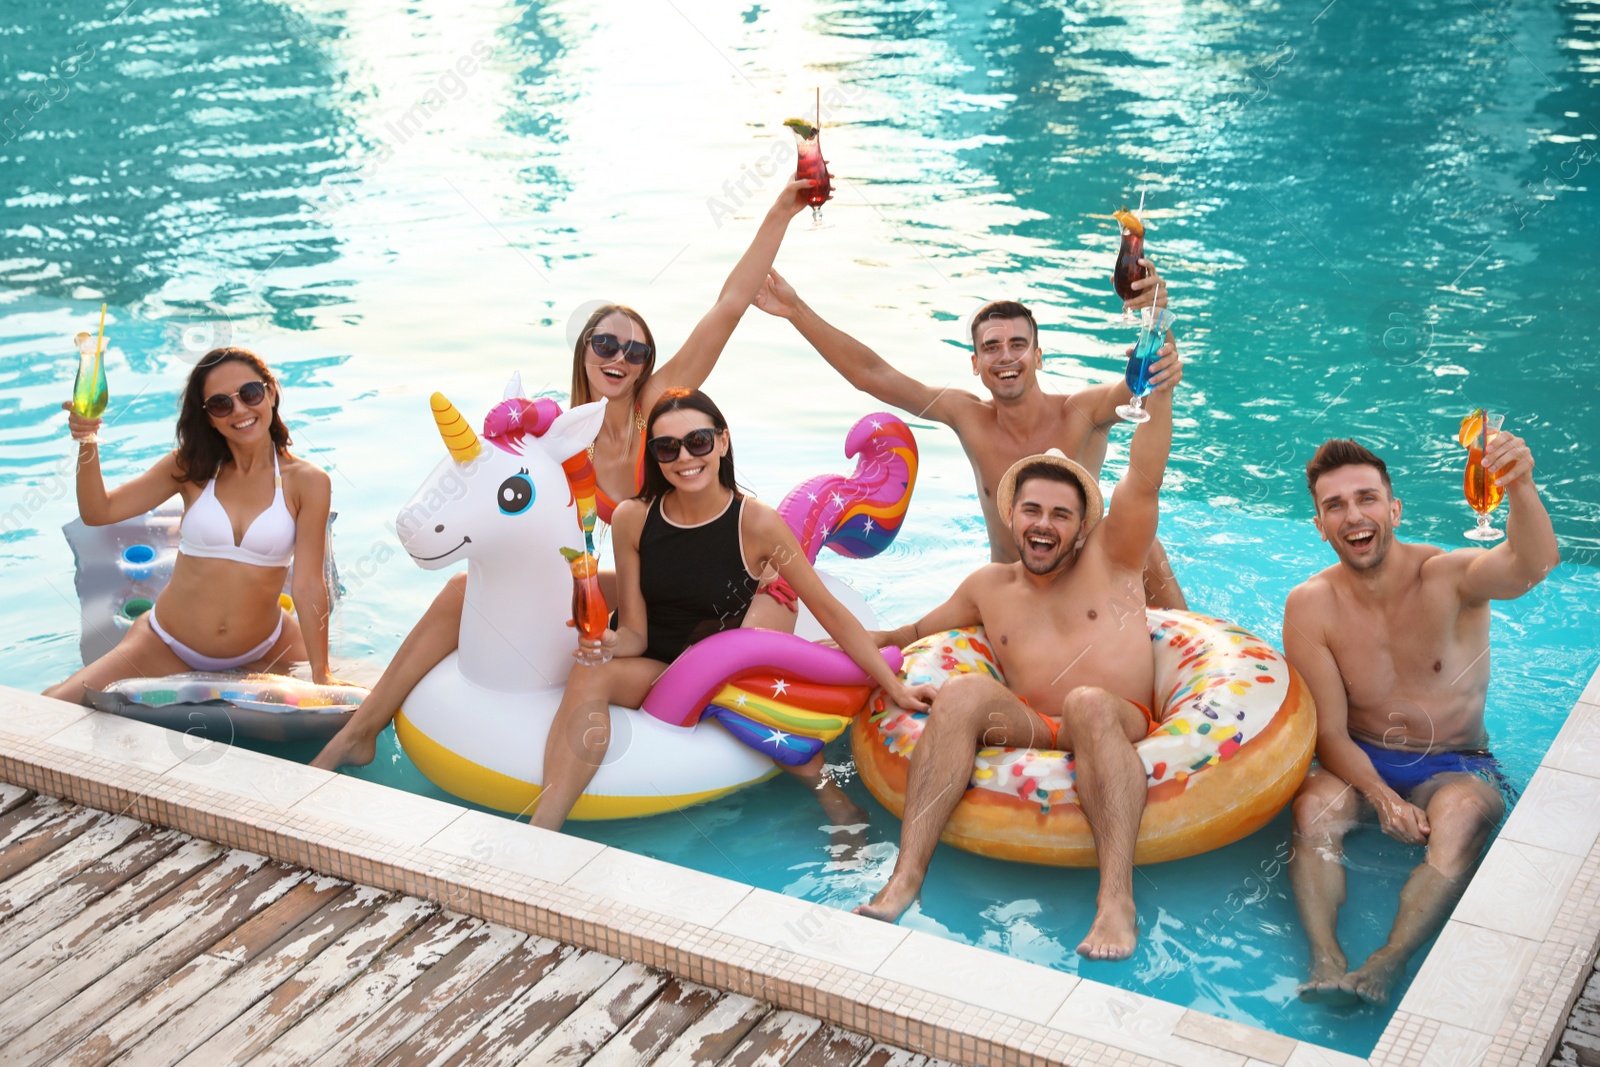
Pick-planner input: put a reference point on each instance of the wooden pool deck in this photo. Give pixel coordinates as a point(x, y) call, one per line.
point(121, 941)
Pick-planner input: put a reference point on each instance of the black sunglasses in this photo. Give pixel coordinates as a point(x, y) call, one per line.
point(699, 443)
point(606, 346)
point(220, 405)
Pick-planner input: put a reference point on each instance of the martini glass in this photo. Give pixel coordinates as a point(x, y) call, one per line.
point(1157, 321)
point(1478, 485)
point(89, 391)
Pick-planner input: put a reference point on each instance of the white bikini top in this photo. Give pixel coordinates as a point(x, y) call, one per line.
point(268, 541)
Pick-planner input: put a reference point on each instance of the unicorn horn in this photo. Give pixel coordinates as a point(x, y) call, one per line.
point(458, 436)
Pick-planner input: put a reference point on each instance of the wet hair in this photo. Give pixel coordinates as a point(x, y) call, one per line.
point(655, 482)
point(201, 447)
point(1343, 452)
point(1003, 309)
point(580, 353)
point(1051, 472)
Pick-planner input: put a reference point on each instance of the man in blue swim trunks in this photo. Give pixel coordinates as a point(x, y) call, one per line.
point(1394, 642)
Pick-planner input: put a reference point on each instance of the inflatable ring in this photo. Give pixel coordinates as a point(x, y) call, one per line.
point(1236, 734)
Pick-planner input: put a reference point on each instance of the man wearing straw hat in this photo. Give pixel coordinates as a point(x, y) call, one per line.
point(1018, 419)
point(1067, 624)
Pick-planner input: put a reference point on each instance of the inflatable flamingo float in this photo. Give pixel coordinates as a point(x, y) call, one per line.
point(718, 718)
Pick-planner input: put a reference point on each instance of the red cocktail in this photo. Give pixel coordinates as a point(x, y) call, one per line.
point(1128, 269)
point(589, 612)
point(811, 166)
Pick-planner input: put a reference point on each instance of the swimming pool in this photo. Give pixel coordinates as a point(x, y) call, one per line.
point(1375, 220)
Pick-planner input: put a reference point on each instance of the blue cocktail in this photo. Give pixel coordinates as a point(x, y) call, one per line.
point(1156, 322)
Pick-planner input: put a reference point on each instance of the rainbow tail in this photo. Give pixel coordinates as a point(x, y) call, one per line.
point(857, 516)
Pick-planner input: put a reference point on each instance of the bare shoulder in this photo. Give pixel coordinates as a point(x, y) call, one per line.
point(629, 515)
point(304, 475)
point(1438, 564)
point(965, 412)
point(761, 516)
point(990, 578)
point(1313, 597)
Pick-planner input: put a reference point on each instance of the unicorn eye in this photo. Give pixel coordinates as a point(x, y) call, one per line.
point(516, 494)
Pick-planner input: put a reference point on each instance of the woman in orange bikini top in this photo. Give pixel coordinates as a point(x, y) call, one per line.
point(614, 359)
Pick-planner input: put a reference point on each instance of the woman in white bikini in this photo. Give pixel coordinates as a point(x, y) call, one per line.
point(249, 508)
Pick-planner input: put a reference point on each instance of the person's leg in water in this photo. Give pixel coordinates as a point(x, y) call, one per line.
point(580, 733)
point(1462, 811)
point(1325, 809)
point(433, 638)
point(1100, 728)
point(970, 712)
point(1161, 589)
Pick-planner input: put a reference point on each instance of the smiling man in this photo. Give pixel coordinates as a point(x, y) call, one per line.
point(1394, 642)
point(1067, 624)
point(1019, 418)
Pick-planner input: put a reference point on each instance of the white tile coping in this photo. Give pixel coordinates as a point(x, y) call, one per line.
point(1504, 932)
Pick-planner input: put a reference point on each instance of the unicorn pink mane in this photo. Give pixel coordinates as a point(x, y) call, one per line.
point(858, 516)
point(511, 420)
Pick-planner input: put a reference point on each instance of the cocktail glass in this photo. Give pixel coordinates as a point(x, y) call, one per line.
point(590, 615)
point(1128, 268)
point(808, 145)
point(89, 391)
point(1156, 322)
point(1479, 485)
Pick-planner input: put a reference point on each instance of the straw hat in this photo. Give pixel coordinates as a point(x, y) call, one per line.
point(1094, 504)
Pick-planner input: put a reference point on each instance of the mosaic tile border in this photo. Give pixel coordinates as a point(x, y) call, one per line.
point(1494, 991)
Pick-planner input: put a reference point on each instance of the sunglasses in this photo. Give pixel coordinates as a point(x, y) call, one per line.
point(220, 405)
point(699, 443)
point(606, 346)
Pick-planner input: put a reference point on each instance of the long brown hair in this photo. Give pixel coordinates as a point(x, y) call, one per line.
point(580, 353)
point(201, 447)
point(655, 482)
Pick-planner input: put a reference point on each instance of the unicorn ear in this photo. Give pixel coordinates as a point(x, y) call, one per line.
point(573, 431)
point(514, 388)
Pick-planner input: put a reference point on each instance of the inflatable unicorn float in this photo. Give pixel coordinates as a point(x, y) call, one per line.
point(508, 502)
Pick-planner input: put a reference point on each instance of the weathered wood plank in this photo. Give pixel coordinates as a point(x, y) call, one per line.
point(716, 1033)
point(680, 1003)
point(109, 834)
point(196, 865)
point(481, 1003)
point(12, 796)
point(193, 1025)
point(442, 941)
point(78, 893)
point(28, 816)
point(831, 1047)
point(774, 1041)
point(607, 1011)
point(129, 960)
point(332, 969)
point(445, 980)
point(203, 973)
point(27, 849)
point(525, 1022)
point(889, 1056)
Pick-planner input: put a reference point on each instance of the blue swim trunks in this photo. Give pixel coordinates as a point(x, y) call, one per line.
point(1403, 770)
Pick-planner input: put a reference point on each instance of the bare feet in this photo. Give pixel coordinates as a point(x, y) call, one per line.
point(1373, 979)
point(1113, 934)
point(891, 902)
point(839, 808)
point(347, 748)
point(1323, 987)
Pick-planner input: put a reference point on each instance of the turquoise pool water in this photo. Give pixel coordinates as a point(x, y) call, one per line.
point(1372, 222)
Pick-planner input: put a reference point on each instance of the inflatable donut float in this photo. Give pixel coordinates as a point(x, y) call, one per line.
point(1237, 731)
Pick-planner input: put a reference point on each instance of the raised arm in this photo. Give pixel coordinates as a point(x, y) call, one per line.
point(1130, 526)
point(98, 506)
point(1305, 646)
point(310, 586)
point(855, 362)
point(693, 363)
point(1529, 551)
point(1099, 402)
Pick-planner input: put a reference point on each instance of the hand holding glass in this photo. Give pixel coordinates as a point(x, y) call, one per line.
point(1157, 321)
point(1479, 485)
point(89, 391)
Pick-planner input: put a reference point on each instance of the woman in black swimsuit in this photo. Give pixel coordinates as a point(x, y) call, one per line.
point(691, 550)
